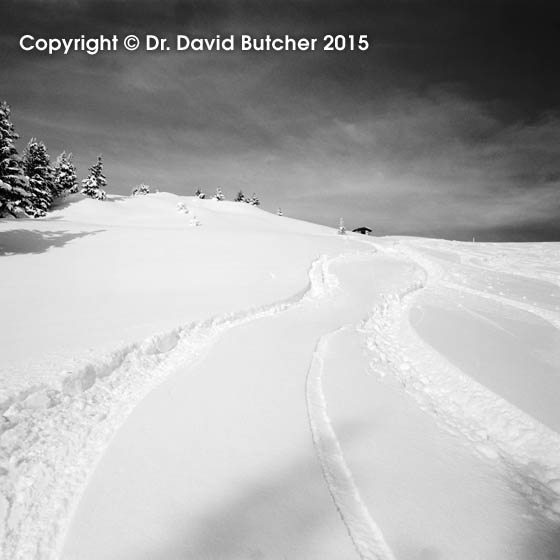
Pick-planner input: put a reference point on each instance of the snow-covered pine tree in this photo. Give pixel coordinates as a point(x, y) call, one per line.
point(199, 194)
point(65, 181)
point(13, 182)
point(93, 185)
point(37, 167)
point(240, 197)
point(254, 200)
point(219, 194)
point(279, 212)
point(140, 190)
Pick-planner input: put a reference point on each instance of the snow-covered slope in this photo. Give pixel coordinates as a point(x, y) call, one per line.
point(94, 276)
point(260, 387)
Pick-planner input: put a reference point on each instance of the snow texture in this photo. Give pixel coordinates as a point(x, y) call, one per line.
point(396, 297)
point(365, 534)
point(54, 437)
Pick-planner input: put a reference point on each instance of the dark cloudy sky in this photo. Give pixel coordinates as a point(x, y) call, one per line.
point(448, 126)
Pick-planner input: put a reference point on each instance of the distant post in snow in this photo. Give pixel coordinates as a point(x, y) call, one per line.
point(341, 227)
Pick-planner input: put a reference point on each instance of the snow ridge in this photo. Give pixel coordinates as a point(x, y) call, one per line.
point(436, 276)
point(544, 314)
point(510, 262)
point(497, 429)
point(51, 439)
point(365, 534)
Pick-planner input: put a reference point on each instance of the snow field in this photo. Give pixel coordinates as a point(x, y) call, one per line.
point(504, 525)
point(50, 430)
point(496, 428)
point(245, 448)
point(430, 494)
point(365, 534)
point(96, 276)
point(402, 404)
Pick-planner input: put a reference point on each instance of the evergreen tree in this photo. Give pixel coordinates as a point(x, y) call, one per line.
point(279, 212)
point(94, 184)
point(13, 182)
point(199, 194)
point(37, 167)
point(240, 197)
point(141, 189)
point(65, 181)
point(219, 194)
point(254, 200)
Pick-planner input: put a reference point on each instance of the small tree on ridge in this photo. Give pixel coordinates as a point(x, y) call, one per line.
point(254, 200)
point(140, 190)
point(93, 186)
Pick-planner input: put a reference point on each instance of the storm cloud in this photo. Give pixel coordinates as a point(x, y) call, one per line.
point(448, 126)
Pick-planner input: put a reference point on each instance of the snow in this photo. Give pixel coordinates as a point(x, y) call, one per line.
point(412, 474)
point(261, 387)
point(125, 270)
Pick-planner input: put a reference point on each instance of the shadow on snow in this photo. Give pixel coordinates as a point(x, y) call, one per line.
point(24, 241)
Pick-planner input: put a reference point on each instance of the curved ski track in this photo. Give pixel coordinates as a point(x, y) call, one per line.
point(497, 429)
point(52, 439)
point(365, 534)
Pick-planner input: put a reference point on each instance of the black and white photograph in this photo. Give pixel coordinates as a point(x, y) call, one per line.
point(279, 280)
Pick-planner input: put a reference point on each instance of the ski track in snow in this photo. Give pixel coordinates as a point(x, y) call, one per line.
point(496, 429)
point(365, 534)
point(544, 314)
point(52, 439)
point(504, 263)
point(491, 265)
